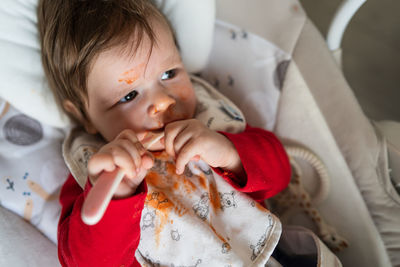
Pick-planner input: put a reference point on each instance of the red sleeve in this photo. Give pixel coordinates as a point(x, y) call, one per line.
point(264, 160)
point(111, 242)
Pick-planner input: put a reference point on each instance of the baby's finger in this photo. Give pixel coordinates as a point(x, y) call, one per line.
point(133, 138)
point(187, 153)
point(100, 162)
point(147, 160)
point(123, 160)
point(171, 131)
point(135, 151)
point(182, 138)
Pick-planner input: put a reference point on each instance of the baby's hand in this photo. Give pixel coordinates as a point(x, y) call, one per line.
point(128, 154)
point(191, 139)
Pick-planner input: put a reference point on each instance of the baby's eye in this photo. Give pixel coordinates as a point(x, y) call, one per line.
point(169, 74)
point(128, 97)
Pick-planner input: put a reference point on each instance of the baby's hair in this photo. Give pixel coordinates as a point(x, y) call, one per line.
point(73, 32)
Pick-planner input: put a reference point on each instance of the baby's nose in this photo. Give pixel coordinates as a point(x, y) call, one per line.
point(161, 104)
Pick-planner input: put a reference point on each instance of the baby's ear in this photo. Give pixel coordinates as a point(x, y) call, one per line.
point(72, 109)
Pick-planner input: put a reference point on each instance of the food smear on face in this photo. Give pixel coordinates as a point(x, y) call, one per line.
point(132, 75)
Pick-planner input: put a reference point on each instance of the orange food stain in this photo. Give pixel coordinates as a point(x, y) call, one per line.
point(170, 168)
point(156, 180)
point(5, 109)
point(173, 182)
point(189, 185)
point(181, 179)
point(163, 206)
point(160, 203)
point(218, 235)
point(215, 200)
point(180, 211)
point(176, 186)
point(203, 181)
point(130, 76)
point(163, 219)
point(260, 207)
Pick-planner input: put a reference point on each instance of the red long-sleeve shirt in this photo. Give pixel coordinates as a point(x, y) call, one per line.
point(114, 240)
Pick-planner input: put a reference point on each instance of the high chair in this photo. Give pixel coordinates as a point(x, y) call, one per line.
point(270, 60)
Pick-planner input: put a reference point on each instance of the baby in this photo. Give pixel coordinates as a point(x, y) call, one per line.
point(114, 66)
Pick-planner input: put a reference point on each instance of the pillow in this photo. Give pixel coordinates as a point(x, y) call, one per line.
point(22, 81)
point(33, 169)
point(194, 32)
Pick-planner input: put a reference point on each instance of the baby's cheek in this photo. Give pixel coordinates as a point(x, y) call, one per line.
point(181, 90)
point(189, 102)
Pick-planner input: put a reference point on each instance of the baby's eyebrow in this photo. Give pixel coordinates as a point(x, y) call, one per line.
point(172, 59)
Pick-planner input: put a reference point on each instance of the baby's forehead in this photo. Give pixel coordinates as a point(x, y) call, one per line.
point(140, 42)
point(142, 50)
point(127, 63)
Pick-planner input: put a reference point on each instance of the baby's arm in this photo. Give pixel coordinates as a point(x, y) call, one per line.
point(111, 242)
point(127, 153)
point(116, 236)
point(253, 161)
point(264, 161)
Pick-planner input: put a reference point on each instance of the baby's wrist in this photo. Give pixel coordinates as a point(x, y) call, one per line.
point(235, 165)
point(128, 187)
point(236, 168)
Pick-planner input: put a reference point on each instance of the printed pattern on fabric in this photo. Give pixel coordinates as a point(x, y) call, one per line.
point(31, 169)
point(197, 210)
point(240, 72)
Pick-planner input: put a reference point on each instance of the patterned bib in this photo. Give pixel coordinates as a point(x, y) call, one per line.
point(198, 219)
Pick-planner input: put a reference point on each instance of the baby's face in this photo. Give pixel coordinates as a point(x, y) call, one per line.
point(139, 92)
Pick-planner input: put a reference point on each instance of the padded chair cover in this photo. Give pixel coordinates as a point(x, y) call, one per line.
point(318, 110)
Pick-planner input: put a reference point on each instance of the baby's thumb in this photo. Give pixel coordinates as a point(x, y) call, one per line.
point(147, 160)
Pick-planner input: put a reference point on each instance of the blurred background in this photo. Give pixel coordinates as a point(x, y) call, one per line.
point(371, 53)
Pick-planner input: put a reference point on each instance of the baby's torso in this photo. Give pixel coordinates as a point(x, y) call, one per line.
point(196, 218)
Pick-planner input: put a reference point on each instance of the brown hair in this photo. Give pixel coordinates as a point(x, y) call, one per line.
point(73, 32)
